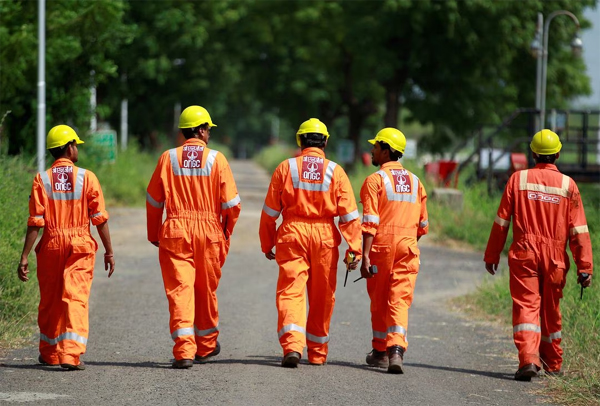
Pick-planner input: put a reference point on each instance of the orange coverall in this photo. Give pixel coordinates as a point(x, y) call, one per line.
point(309, 191)
point(395, 213)
point(63, 201)
point(195, 185)
point(547, 213)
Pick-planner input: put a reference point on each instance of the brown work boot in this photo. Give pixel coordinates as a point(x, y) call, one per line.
point(395, 355)
point(291, 360)
point(42, 361)
point(204, 359)
point(378, 359)
point(71, 367)
point(182, 363)
point(525, 373)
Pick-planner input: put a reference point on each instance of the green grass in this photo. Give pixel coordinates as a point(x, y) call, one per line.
point(271, 156)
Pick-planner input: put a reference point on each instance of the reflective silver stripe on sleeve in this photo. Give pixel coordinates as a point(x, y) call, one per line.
point(202, 333)
point(349, 217)
point(315, 187)
point(232, 203)
point(291, 327)
point(370, 218)
point(270, 211)
point(96, 214)
point(501, 222)
point(579, 230)
point(553, 336)
point(186, 331)
point(179, 171)
point(423, 223)
point(399, 197)
point(73, 195)
point(64, 336)
point(317, 339)
point(534, 187)
point(39, 216)
point(379, 334)
point(527, 327)
point(397, 329)
point(154, 203)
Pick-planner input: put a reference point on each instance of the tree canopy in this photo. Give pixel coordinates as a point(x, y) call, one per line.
point(452, 65)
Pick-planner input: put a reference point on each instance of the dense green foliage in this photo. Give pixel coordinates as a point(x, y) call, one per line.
point(262, 67)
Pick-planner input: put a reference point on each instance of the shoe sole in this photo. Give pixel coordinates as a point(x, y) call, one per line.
point(378, 364)
point(70, 367)
point(526, 376)
point(395, 369)
point(290, 361)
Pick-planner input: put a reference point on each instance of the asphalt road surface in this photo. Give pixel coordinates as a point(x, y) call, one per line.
point(451, 360)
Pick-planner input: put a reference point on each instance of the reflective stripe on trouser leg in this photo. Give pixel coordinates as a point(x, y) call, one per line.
point(322, 280)
point(551, 326)
point(178, 278)
point(378, 289)
point(208, 274)
point(402, 284)
point(524, 289)
point(290, 296)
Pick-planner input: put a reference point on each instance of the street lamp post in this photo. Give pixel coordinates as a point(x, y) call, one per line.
point(540, 51)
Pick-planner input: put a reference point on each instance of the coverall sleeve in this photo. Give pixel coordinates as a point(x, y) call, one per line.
point(155, 199)
point(423, 218)
point(230, 199)
point(369, 197)
point(349, 222)
point(579, 235)
point(37, 202)
point(271, 210)
point(96, 207)
point(501, 224)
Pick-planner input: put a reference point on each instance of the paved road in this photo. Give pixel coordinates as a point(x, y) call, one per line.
point(451, 360)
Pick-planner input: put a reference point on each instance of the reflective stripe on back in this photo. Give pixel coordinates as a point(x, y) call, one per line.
point(534, 187)
point(75, 194)
point(179, 171)
point(399, 197)
point(315, 187)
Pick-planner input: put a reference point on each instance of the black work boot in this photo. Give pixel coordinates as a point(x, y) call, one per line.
point(182, 364)
point(378, 359)
point(395, 355)
point(526, 372)
point(291, 360)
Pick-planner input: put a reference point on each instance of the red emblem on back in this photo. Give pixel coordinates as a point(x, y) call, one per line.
point(192, 156)
point(62, 179)
point(312, 168)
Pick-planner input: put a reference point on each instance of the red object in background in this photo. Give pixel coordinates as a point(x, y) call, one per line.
point(518, 162)
point(440, 173)
point(366, 158)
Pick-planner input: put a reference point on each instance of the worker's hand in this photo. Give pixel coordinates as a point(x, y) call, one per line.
point(270, 255)
point(364, 267)
point(23, 270)
point(354, 264)
point(491, 268)
point(584, 282)
point(109, 263)
point(155, 243)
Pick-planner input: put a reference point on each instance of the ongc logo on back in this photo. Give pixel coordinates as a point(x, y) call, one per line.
point(62, 178)
point(542, 197)
point(192, 156)
point(401, 180)
point(312, 168)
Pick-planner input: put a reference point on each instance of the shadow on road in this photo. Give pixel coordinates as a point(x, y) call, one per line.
point(490, 374)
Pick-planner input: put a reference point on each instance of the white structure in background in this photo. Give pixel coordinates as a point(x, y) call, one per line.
point(41, 93)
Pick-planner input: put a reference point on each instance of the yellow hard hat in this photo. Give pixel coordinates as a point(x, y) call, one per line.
point(312, 126)
point(545, 142)
point(61, 135)
point(194, 116)
point(391, 136)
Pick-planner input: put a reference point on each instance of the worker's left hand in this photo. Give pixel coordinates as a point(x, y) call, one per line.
point(109, 262)
point(270, 255)
point(491, 268)
point(23, 270)
point(584, 282)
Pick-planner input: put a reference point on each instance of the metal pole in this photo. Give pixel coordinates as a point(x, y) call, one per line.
point(41, 104)
point(545, 57)
point(93, 103)
point(124, 124)
point(538, 75)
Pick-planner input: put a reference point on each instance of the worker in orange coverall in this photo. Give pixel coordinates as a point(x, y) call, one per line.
point(547, 213)
point(196, 187)
point(309, 191)
point(394, 218)
point(64, 199)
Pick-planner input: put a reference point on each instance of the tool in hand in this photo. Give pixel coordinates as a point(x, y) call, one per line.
point(349, 258)
point(372, 270)
point(584, 277)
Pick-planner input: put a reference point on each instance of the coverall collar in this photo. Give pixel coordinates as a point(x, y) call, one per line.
point(313, 151)
point(62, 162)
point(392, 164)
point(195, 141)
point(552, 167)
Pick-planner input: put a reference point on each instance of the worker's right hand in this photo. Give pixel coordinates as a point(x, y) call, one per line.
point(155, 243)
point(491, 268)
point(23, 270)
point(364, 267)
point(584, 282)
point(270, 255)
